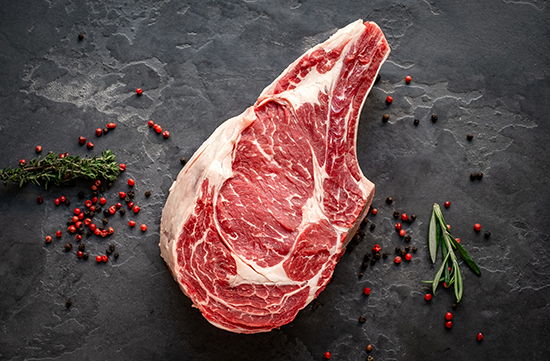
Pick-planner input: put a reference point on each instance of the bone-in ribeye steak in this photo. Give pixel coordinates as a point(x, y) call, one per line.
point(260, 215)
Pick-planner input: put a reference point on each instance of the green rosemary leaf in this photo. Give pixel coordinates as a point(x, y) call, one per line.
point(469, 261)
point(433, 237)
point(438, 274)
point(445, 251)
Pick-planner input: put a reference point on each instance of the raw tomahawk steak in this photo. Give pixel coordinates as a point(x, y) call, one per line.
point(260, 215)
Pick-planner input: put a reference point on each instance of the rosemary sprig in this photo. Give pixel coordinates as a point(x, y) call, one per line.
point(53, 169)
point(438, 234)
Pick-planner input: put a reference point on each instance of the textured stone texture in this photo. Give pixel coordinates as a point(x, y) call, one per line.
point(482, 67)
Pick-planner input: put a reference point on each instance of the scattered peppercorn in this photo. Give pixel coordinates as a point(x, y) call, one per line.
point(85, 257)
point(327, 355)
point(470, 136)
point(472, 176)
point(405, 217)
point(402, 253)
point(377, 256)
point(139, 91)
point(477, 227)
point(454, 306)
point(122, 211)
point(372, 226)
point(385, 118)
point(365, 264)
point(428, 297)
point(122, 167)
point(376, 248)
point(360, 274)
point(416, 121)
point(407, 238)
point(361, 233)
point(116, 255)
point(143, 227)
point(413, 217)
point(408, 256)
point(447, 204)
point(414, 249)
point(398, 226)
point(67, 202)
point(408, 79)
point(183, 160)
point(449, 324)
point(90, 145)
point(385, 255)
point(378, 77)
point(362, 319)
point(68, 247)
point(131, 194)
point(389, 99)
point(374, 211)
point(479, 336)
point(98, 132)
point(487, 235)
point(68, 303)
point(479, 175)
point(369, 348)
point(397, 260)
point(58, 234)
point(389, 200)
point(166, 134)
point(370, 358)
point(48, 239)
point(373, 262)
point(395, 214)
point(147, 193)
point(397, 249)
point(434, 117)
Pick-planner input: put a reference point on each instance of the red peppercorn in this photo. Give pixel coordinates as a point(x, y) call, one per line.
point(75, 218)
point(78, 224)
point(97, 182)
point(98, 132)
point(150, 123)
point(38, 149)
point(122, 195)
point(87, 221)
point(449, 227)
point(136, 209)
point(102, 200)
point(408, 256)
point(118, 205)
point(448, 316)
point(92, 208)
point(158, 129)
point(447, 204)
point(94, 200)
point(57, 201)
point(40, 200)
point(77, 211)
point(97, 232)
point(398, 226)
point(130, 205)
point(427, 297)
point(449, 324)
point(78, 237)
point(62, 155)
point(477, 227)
point(71, 229)
point(62, 199)
point(122, 167)
point(82, 140)
point(389, 99)
point(458, 240)
point(110, 230)
point(143, 227)
point(402, 233)
point(139, 91)
point(112, 209)
point(58, 234)
point(397, 260)
point(104, 258)
point(131, 182)
point(166, 134)
point(92, 227)
point(22, 162)
point(327, 355)
point(80, 254)
point(367, 291)
point(374, 211)
point(132, 223)
point(408, 79)
point(376, 248)
point(111, 125)
point(88, 203)
point(479, 336)
point(98, 259)
point(90, 145)
point(94, 187)
point(48, 239)
point(404, 216)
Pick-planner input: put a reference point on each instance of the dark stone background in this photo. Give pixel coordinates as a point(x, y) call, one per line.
point(483, 67)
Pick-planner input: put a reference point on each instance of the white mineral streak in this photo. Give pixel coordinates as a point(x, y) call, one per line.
point(214, 158)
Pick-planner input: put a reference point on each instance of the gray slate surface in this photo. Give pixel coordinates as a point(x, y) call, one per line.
point(482, 67)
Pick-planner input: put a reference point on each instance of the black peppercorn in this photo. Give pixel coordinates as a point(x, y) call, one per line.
point(403, 253)
point(415, 249)
point(473, 176)
point(479, 175)
point(67, 202)
point(385, 255)
point(360, 275)
point(416, 121)
point(108, 252)
point(69, 222)
point(413, 217)
point(377, 78)
point(454, 306)
point(377, 255)
point(81, 247)
point(397, 249)
point(110, 185)
point(372, 262)
point(116, 255)
point(105, 221)
point(68, 303)
point(100, 228)
point(88, 233)
point(122, 211)
point(361, 233)
point(148, 193)
point(81, 195)
point(68, 247)
point(183, 160)
point(94, 194)
point(362, 319)
point(434, 117)
point(372, 226)
point(364, 265)
point(356, 238)
point(487, 234)
point(316, 305)
point(92, 214)
point(407, 248)
point(470, 136)
point(112, 247)
point(366, 257)
point(85, 256)
point(127, 199)
point(385, 118)
point(105, 130)
point(389, 200)
point(395, 214)
point(407, 238)
point(80, 37)
point(131, 194)
point(106, 212)
point(87, 213)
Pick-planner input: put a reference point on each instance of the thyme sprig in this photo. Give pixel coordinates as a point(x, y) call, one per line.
point(439, 235)
point(53, 169)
